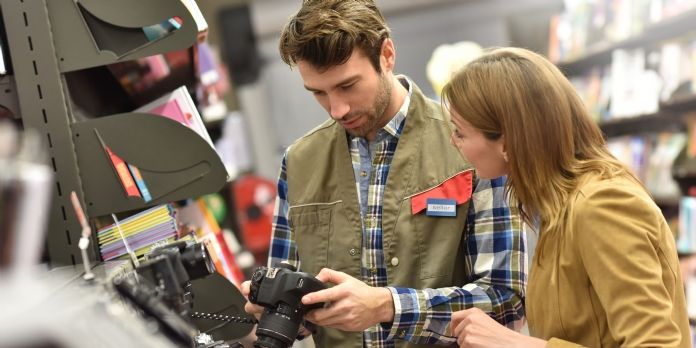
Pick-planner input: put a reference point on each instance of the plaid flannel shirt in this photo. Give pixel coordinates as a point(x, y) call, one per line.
point(495, 259)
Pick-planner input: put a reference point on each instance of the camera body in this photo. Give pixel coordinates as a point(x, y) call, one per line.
point(280, 290)
point(172, 267)
point(160, 286)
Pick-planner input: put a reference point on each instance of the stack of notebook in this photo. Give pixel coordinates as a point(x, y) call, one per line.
point(143, 231)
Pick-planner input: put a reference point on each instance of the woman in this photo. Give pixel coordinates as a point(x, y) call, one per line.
point(605, 272)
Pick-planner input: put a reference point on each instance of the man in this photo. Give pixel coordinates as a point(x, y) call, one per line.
point(357, 196)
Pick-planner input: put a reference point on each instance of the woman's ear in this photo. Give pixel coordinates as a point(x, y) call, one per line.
point(503, 148)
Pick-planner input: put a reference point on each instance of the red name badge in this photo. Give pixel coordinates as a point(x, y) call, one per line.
point(458, 188)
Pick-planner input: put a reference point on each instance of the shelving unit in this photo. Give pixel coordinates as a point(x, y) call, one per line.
point(600, 53)
point(48, 39)
point(672, 115)
point(660, 121)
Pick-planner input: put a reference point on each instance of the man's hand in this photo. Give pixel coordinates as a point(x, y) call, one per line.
point(351, 305)
point(249, 307)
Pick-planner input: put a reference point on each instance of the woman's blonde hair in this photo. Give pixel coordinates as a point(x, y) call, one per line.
point(551, 141)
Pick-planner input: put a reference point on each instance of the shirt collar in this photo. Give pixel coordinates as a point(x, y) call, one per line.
point(394, 126)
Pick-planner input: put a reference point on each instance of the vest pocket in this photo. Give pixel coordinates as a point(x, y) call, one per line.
point(440, 244)
point(311, 226)
point(437, 241)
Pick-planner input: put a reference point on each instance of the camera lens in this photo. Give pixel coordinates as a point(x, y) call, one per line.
point(269, 342)
point(276, 331)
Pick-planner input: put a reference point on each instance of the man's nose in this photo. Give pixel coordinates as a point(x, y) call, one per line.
point(338, 108)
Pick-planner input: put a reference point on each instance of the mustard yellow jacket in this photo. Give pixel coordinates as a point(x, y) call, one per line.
point(611, 279)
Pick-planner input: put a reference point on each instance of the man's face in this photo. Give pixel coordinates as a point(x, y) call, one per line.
point(354, 93)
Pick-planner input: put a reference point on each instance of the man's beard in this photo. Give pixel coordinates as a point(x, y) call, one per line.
point(375, 114)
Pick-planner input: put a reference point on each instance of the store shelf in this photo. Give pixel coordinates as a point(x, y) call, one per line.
point(600, 54)
point(89, 33)
point(175, 162)
point(681, 103)
point(683, 254)
point(667, 202)
point(650, 123)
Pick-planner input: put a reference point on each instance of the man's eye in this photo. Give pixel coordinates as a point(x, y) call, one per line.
point(346, 87)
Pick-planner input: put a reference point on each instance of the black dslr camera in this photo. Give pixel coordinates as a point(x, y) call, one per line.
point(280, 290)
point(172, 267)
point(161, 287)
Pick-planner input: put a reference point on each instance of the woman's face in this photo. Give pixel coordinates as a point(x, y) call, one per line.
point(487, 156)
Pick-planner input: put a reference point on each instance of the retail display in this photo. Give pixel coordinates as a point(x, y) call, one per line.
point(66, 36)
point(103, 163)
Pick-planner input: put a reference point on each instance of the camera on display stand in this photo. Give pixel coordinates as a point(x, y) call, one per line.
point(161, 287)
point(172, 267)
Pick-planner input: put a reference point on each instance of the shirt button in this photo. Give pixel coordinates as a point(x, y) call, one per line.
point(353, 251)
point(373, 270)
point(395, 261)
point(402, 333)
point(363, 173)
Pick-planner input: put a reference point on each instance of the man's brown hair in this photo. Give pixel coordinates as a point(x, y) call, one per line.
point(324, 33)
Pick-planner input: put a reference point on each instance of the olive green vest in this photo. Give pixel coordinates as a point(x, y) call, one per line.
point(419, 251)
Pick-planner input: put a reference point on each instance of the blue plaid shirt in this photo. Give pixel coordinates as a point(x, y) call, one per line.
point(496, 258)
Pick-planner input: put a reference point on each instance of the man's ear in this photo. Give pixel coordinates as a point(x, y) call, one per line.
point(387, 56)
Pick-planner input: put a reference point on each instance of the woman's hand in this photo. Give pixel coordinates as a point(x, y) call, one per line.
point(474, 328)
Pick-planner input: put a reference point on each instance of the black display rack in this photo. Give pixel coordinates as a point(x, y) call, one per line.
point(49, 38)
